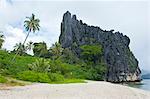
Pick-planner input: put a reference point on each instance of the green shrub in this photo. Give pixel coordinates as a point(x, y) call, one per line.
point(40, 65)
point(33, 76)
point(69, 57)
point(56, 77)
point(57, 66)
point(28, 76)
point(78, 73)
point(43, 78)
point(13, 67)
point(2, 79)
point(91, 74)
point(91, 53)
point(46, 70)
point(96, 73)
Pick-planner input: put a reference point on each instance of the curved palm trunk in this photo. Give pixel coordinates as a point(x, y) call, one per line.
point(23, 45)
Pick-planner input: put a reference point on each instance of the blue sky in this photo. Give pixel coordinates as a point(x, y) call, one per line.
point(131, 17)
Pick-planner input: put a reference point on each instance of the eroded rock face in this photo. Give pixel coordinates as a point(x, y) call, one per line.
point(122, 64)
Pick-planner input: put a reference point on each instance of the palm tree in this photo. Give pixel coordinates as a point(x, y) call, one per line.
point(20, 48)
point(40, 65)
point(31, 24)
point(29, 45)
point(40, 49)
point(1, 39)
point(17, 46)
point(56, 50)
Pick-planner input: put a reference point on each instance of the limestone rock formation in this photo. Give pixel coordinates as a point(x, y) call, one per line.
point(121, 63)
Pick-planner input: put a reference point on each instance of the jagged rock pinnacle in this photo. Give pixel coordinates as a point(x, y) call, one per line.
point(117, 55)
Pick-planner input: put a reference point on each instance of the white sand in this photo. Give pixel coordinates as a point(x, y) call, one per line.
point(90, 90)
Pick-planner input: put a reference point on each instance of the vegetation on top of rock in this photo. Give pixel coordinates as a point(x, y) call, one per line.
point(91, 53)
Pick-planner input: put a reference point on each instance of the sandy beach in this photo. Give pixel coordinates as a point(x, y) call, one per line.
point(90, 90)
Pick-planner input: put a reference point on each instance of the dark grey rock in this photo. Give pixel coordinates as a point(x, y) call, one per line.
point(122, 64)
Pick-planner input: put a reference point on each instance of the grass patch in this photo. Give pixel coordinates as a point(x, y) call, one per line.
point(15, 82)
point(74, 81)
point(33, 76)
point(9, 82)
point(52, 78)
point(2, 79)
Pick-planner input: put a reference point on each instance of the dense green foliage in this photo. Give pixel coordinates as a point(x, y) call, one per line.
point(20, 49)
point(7, 67)
point(91, 53)
point(52, 65)
point(40, 65)
point(69, 57)
point(55, 77)
point(33, 76)
point(40, 49)
point(36, 69)
point(56, 50)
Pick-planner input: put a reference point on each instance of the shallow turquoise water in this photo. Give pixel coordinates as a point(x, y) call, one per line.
point(145, 84)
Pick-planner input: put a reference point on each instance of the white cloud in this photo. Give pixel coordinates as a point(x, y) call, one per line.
point(15, 35)
point(12, 36)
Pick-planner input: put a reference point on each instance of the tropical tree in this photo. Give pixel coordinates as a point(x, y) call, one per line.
point(56, 50)
point(40, 65)
point(31, 24)
point(29, 45)
point(40, 49)
point(20, 48)
point(1, 39)
point(69, 57)
point(91, 53)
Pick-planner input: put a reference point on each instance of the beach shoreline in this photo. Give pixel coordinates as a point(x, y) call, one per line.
point(90, 90)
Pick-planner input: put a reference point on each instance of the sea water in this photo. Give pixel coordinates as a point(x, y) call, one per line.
point(144, 84)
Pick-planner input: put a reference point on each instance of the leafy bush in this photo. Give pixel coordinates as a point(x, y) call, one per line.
point(57, 66)
point(69, 57)
point(40, 49)
point(33, 76)
point(13, 67)
point(77, 71)
point(28, 76)
point(93, 75)
point(2, 79)
point(40, 65)
point(56, 77)
point(96, 73)
point(91, 53)
point(35, 69)
point(43, 78)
